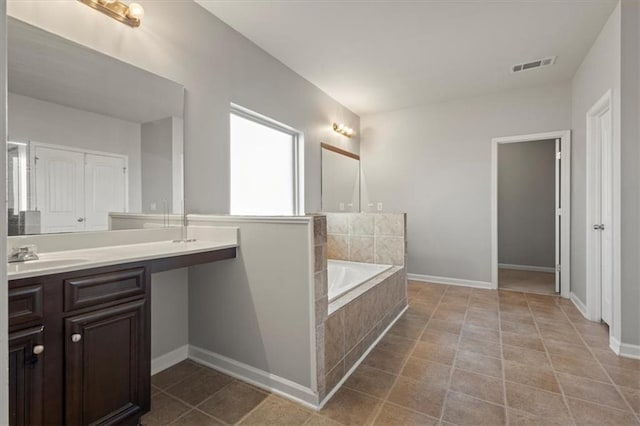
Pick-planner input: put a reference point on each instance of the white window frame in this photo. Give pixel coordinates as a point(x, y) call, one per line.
point(298, 152)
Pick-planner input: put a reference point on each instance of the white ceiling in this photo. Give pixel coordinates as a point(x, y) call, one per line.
point(383, 55)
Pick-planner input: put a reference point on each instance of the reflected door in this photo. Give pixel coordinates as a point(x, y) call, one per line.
point(59, 189)
point(106, 187)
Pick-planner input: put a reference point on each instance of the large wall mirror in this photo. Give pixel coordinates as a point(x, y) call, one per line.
point(340, 180)
point(88, 135)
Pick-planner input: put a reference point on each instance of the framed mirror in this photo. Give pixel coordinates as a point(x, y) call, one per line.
point(88, 135)
point(340, 180)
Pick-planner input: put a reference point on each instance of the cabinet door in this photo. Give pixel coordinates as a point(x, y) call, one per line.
point(107, 372)
point(26, 376)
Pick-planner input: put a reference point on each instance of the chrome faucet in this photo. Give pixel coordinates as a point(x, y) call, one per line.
point(22, 254)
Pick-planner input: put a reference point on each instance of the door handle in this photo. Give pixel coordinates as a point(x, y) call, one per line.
point(598, 227)
point(38, 349)
point(75, 338)
point(81, 219)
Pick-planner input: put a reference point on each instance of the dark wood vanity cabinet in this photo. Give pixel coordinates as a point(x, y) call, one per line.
point(26, 370)
point(80, 347)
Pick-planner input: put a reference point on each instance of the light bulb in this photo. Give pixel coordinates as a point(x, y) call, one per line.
point(135, 11)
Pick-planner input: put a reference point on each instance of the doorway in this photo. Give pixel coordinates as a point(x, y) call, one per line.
point(600, 211)
point(531, 213)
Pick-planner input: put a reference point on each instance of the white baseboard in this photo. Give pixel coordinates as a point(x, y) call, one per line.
point(625, 350)
point(255, 376)
point(579, 305)
point(169, 359)
point(359, 361)
point(527, 267)
point(449, 281)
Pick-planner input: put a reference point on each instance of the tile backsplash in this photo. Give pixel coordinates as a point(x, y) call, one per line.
point(367, 237)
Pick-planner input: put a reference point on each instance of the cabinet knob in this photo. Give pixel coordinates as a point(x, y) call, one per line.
point(38, 349)
point(75, 338)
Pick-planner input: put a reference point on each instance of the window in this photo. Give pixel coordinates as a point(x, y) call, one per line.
point(265, 177)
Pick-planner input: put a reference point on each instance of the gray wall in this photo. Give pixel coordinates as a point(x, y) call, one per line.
point(156, 147)
point(434, 162)
point(183, 42)
point(630, 170)
point(526, 203)
point(599, 72)
point(40, 121)
point(169, 311)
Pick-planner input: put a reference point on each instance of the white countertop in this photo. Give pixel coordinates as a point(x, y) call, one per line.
point(75, 260)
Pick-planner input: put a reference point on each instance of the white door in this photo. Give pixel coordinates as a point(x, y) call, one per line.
point(105, 189)
point(59, 189)
point(606, 212)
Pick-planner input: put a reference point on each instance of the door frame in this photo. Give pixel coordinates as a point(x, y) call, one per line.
point(565, 193)
point(593, 286)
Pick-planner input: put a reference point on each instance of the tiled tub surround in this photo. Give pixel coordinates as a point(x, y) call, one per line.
point(367, 237)
point(349, 326)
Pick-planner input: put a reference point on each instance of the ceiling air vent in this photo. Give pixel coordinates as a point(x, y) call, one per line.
point(534, 64)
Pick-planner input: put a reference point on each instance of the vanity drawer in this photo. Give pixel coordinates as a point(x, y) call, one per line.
point(92, 290)
point(26, 305)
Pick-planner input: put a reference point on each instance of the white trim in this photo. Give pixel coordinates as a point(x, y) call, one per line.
point(359, 361)
point(526, 267)
point(262, 379)
point(579, 305)
point(169, 359)
point(624, 350)
point(300, 220)
point(449, 281)
point(565, 237)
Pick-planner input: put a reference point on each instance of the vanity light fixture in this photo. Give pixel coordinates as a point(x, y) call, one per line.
point(127, 14)
point(343, 129)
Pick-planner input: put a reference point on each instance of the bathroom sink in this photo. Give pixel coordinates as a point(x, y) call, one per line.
point(31, 265)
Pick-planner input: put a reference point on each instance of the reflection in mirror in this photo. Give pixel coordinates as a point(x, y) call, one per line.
point(340, 180)
point(88, 135)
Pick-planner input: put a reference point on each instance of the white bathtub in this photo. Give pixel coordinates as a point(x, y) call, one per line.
point(344, 276)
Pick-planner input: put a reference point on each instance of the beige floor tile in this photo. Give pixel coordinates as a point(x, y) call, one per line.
point(624, 377)
point(199, 387)
point(442, 353)
point(538, 377)
point(277, 411)
point(587, 413)
point(439, 337)
point(233, 402)
point(632, 396)
point(197, 418)
point(424, 397)
point(164, 410)
point(388, 361)
point(453, 327)
point(420, 370)
point(479, 364)
point(175, 374)
point(537, 402)
point(461, 409)
point(481, 347)
point(579, 367)
point(608, 357)
point(520, 418)
point(350, 407)
point(397, 416)
point(318, 420)
point(371, 381)
point(567, 350)
point(393, 343)
point(478, 386)
point(525, 356)
point(480, 333)
point(516, 327)
point(525, 341)
point(589, 390)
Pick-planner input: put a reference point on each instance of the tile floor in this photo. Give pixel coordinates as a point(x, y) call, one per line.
point(458, 356)
point(527, 281)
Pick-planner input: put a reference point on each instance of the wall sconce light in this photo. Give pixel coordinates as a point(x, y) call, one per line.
point(343, 129)
point(130, 15)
